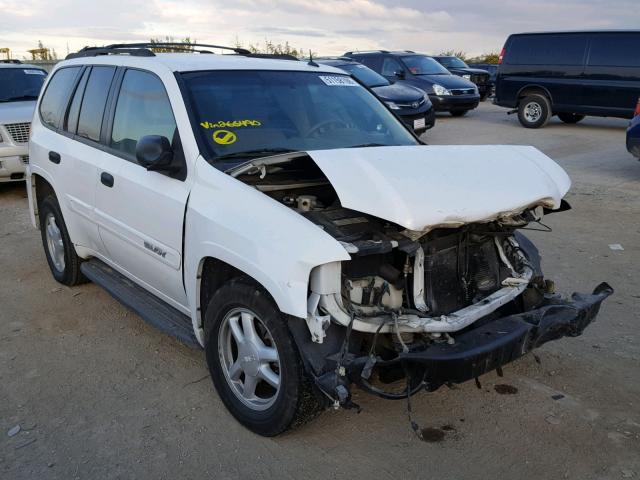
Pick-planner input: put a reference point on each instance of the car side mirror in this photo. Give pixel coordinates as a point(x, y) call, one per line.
point(154, 152)
point(400, 74)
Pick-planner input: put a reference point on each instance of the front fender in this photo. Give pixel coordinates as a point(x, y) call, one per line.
point(230, 221)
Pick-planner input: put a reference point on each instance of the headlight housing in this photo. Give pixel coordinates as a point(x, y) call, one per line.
point(467, 77)
point(392, 106)
point(440, 90)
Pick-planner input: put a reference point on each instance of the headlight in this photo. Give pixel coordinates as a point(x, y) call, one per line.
point(468, 77)
point(440, 90)
point(392, 106)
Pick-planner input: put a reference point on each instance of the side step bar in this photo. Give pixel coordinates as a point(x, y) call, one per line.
point(153, 310)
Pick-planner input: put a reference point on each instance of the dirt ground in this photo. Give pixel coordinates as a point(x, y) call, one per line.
point(99, 394)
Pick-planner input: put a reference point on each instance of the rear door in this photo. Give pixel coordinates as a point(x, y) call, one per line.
point(612, 74)
point(140, 213)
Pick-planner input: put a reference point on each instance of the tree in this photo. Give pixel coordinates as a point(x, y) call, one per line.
point(490, 58)
point(186, 45)
point(452, 53)
point(271, 48)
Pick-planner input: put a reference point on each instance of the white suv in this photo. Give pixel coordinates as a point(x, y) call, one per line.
point(20, 85)
point(277, 214)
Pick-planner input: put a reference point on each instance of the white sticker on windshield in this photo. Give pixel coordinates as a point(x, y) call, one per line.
point(339, 81)
point(34, 72)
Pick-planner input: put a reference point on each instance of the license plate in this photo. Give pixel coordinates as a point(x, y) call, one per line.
point(419, 123)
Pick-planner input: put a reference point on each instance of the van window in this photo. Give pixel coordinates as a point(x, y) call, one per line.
point(390, 66)
point(558, 49)
point(143, 108)
point(94, 101)
point(615, 50)
point(56, 95)
point(71, 123)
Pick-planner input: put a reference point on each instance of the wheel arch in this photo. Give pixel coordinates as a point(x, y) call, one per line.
point(533, 89)
point(39, 188)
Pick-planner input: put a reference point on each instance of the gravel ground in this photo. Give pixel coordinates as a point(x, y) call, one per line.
point(98, 394)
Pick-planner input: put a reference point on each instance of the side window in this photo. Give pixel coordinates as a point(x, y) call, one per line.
point(56, 96)
point(71, 122)
point(143, 108)
point(94, 101)
point(615, 50)
point(374, 62)
point(390, 66)
point(560, 49)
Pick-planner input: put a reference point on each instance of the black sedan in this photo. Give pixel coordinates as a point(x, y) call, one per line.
point(481, 78)
point(409, 103)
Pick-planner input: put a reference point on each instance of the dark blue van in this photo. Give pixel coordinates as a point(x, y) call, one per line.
point(569, 74)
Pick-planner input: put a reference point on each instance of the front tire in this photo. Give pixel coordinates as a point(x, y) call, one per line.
point(570, 118)
point(254, 362)
point(534, 111)
point(63, 261)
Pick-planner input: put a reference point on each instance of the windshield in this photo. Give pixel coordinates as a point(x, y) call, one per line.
point(423, 65)
point(367, 76)
point(19, 84)
point(452, 62)
point(247, 114)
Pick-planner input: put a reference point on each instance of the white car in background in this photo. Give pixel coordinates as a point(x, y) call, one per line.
point(20, 85)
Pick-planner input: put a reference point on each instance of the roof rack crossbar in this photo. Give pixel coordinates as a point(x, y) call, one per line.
point(146, 49)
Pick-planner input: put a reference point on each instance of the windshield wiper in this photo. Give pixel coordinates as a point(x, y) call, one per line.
point(364, 145)
point(262, 152)
point(18, 98)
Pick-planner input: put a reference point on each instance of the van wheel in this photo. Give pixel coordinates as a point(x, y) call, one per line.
point(534, 111)
point(570, 117)
point(253, 360)
point(458, 113)
point(63, 261)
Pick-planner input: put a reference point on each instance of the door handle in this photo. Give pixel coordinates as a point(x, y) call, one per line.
point(106, 179)
point(54, 157)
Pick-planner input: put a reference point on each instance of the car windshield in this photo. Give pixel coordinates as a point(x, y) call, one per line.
point(367, 76)
point(452, 62)
point(423, 65)
point(20, 84)
point(248, 114)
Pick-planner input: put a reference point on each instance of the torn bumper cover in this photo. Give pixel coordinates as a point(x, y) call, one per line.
point(500, 341)
point(477, 350)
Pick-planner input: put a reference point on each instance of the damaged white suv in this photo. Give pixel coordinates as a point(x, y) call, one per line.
point(279, 215)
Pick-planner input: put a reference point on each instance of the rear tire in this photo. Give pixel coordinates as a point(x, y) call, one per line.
point(534, 111)
point(570, 118)
point(458, 113)
point(254, 362)
point(59, 250)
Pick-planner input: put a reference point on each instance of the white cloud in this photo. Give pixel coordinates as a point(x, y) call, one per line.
point(326, 26)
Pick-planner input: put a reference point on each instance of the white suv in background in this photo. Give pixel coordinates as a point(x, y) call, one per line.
point(20, 85)
point(279, 215)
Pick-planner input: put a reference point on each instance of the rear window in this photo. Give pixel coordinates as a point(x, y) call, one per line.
point(615, 50)
point(56, 96)
point(561, 49)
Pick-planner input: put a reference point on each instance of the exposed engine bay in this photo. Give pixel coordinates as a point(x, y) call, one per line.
point(439, 305)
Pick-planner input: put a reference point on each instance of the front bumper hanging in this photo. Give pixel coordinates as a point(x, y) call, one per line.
point(499, 342)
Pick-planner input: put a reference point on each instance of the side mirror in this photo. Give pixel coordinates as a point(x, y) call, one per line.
point(154, 152)
point(400, 74)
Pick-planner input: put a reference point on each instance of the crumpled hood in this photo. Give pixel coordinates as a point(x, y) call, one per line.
point(423, 187)
point(17, 112)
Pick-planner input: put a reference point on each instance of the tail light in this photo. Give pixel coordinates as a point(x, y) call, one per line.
point(501, 57)
point(637, 112)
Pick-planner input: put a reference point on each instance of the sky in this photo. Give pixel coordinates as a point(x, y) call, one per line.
point(326, 27)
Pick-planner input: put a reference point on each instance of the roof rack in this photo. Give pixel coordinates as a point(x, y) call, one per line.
point(337, 57)
point(367, 51)
point(275, 56)
point(10, 60)
point(146, 49)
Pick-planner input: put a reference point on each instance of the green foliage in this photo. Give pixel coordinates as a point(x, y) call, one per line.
point(271, 48)
point(184, 47)
point(490, 58)
point(453, 53)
